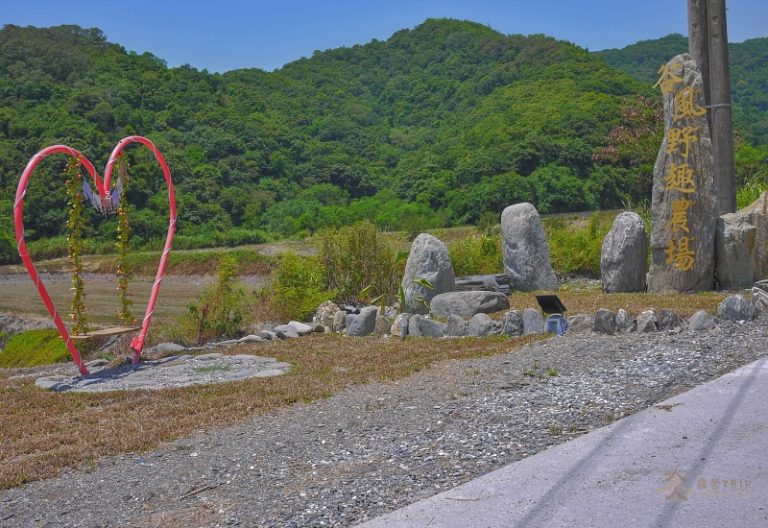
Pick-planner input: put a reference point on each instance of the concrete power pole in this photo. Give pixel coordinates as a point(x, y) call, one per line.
point(708, 45)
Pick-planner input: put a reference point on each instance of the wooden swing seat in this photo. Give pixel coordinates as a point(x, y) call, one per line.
point(106, 332)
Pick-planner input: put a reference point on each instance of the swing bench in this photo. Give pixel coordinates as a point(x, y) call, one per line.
point(105, 332)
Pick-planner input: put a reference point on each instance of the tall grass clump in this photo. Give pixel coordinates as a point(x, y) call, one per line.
point(575, 247)
point(749, 192)
point(358, 260)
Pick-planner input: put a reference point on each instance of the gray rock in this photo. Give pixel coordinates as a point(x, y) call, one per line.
point(467, 303)
point(325, 314)
point(339, 321)
point(624, 255)
point(742, 245)
point(301, 328)
point(267, 335)
point(701, 320)
point(525, 249)
point(400, 325)
point(286, 331)
point(497, 283)
point(251, 338)
point(580, 323)
point(414, 329)
point(348, 319)
point(682, 246)
point(735, 308)
point(605, 322)
point(456, 327)
point(533, 321)
point(759, 302)
point(646, 321)
point(166, 348)
point(427, 260)
point(481, 325)
point(430, 327)
point(625, 323)
point(364, 323)
point(512, 323)
point(668, 320)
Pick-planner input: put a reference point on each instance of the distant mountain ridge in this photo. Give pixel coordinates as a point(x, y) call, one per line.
point(436, 125)
point(749, 75)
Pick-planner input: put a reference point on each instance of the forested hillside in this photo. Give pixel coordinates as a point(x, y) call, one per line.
point(434, 126)
point(749, 76)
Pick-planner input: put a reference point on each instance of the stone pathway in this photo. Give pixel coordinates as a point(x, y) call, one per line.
point(172, 371)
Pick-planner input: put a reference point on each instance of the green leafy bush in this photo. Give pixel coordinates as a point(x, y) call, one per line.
point(220, 310)
point(296, 291)
point(34, 347)
point(358, 258)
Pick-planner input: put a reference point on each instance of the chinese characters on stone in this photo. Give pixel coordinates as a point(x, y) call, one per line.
point(680, 177)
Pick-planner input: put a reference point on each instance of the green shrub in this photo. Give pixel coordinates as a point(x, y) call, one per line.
point(575, 247)
point(358, 258)
point(297, 289)
point(477, 255)
point(34, 347)
point(220, 310)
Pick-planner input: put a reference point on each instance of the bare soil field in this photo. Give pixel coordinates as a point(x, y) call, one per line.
point(19, 296)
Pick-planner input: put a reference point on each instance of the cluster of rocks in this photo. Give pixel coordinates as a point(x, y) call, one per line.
point(458, 314)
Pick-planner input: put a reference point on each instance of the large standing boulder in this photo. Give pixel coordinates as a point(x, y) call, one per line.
point(467, 303)
point(742, 245)
point(683, 206)
point(624, 255)
point(428, 260)
point(525, 249)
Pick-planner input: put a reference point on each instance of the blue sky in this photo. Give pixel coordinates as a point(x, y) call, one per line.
point(224, 35)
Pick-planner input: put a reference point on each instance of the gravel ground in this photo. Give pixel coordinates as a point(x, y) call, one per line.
point(378, 447)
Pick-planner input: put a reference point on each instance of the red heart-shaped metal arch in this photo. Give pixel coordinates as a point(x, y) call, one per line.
point(103, 189)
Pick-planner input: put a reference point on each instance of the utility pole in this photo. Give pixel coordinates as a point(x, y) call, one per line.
point(720, 114)
point(708, 45)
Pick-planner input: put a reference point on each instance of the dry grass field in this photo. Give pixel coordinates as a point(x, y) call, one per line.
point(43, 433)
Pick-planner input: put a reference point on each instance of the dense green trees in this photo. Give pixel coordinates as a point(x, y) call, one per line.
point(435, 126)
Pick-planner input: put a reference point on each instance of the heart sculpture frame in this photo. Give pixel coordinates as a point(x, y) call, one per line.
point(103, 190)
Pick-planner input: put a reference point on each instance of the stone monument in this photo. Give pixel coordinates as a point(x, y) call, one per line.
point(683, 206)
